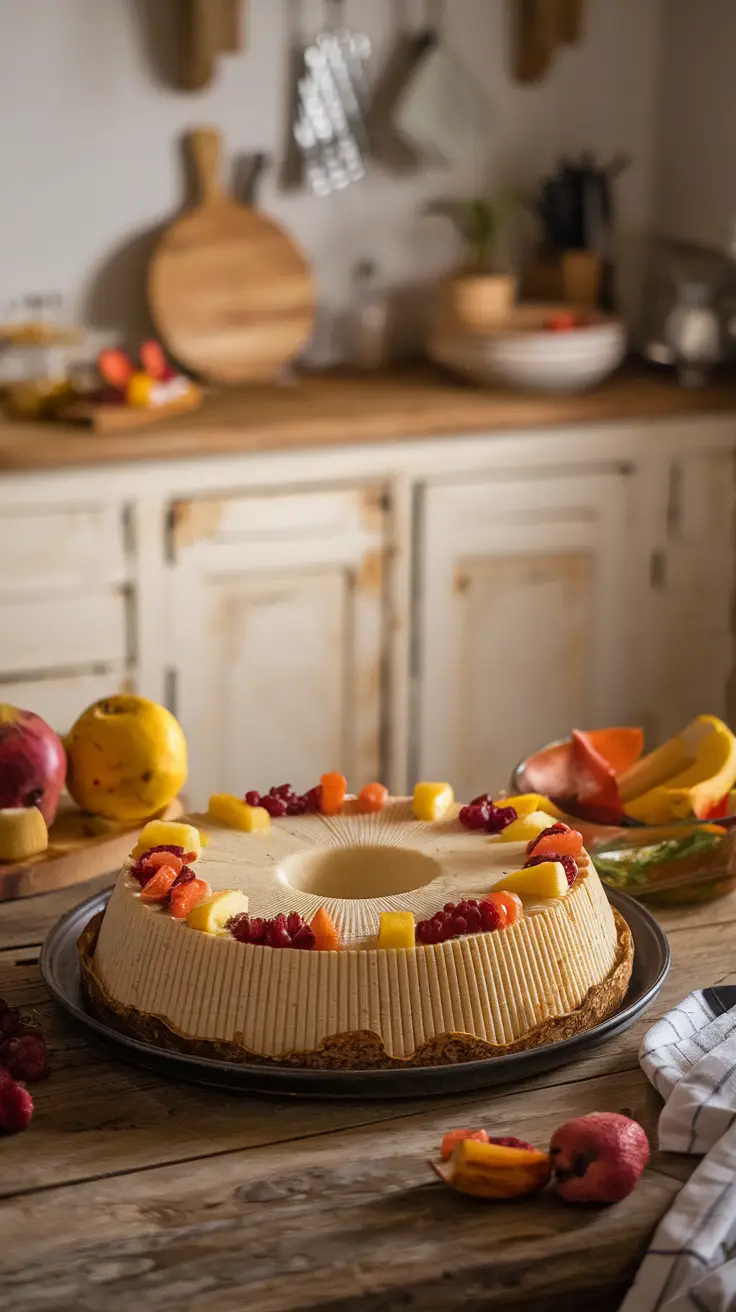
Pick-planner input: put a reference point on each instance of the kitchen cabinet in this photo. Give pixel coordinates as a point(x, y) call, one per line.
point(689, 649)
point(431, 606)
point(521, 619)
point(66, 629)
point(276, 606)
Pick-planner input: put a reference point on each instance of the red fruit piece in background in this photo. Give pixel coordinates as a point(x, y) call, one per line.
point(153, 360)
point(561, 322)
point(451, 1140)
point(16, 1107)
point(115, 367)
point(25, 1057)
point(11, 1022)
point(598, 1158)
point(620, 747)
point(594, 781)
point(509, 1141)
point(32, 762)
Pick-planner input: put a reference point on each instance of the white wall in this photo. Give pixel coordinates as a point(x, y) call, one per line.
point(696, 181)
point(88, 139)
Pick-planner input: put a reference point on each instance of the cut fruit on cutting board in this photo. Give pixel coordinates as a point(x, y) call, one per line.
point(81, 847)
point(231, 294)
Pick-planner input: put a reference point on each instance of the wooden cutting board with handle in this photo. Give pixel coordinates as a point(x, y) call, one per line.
point(231, 295)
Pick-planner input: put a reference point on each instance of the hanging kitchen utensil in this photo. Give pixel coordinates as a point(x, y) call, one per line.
point(407, 53)
point(570, 21)
point(444, 112)
point(211, 28)
point(248, 173)
point(231, 34)
point(535, 37)
point(230, 293)
point(329, 126)
point(292, 164)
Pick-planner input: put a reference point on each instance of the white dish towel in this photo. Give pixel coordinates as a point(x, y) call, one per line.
point(690, 1058)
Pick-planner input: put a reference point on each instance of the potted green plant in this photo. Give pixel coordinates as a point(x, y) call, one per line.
point(477, 295)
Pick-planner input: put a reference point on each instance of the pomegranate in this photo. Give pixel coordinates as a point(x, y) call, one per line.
point(32, 762)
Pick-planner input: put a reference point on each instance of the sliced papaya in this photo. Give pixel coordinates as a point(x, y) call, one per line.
point(594, 780)
point(621, 748)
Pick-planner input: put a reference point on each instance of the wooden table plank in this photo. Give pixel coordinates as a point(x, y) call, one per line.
point(94, 1101)
point(134, 1191)
point(305, 1226)
point(29, 919)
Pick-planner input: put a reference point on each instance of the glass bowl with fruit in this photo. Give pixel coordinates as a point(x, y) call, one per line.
point(661, 825)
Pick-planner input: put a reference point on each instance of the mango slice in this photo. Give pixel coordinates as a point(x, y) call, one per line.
point(230, 810)
point(23, 833)
point(397, 930)
point(489, 1170)
point(525, 803)
point(547, 880)
point(432, 801)
point(167, 833)
point(526, 827)
point(212, 915)
point(686, 776)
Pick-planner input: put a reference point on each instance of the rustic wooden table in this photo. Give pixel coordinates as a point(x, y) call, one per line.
point(130, 1192)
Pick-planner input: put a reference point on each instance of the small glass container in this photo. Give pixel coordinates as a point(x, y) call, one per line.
point(370, 320)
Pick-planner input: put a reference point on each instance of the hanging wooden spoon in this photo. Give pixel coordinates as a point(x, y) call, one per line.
point(570, 16)
point(535, 38)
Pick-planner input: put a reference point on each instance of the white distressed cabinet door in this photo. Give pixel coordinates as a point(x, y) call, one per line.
point(691, 602)
point(276, 607)
point(520, 623)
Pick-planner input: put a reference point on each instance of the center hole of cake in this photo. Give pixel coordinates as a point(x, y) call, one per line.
point(358, 872)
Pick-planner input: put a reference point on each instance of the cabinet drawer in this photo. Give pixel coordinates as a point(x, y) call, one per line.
point(62, 632)
point(68, 547)
point(59, 700)
point(309, 516)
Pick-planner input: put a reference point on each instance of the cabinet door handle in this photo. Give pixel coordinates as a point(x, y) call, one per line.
point(674, 499)
point(658, 570)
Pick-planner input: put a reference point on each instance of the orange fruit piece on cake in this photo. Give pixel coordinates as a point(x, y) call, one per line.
point(372, 798)
point(158, 888)
point(326, 937)
point(334, 787)
point(187, 896)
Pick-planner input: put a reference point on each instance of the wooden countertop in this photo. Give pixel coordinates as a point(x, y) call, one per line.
point(129, 1191)
point(321, 411)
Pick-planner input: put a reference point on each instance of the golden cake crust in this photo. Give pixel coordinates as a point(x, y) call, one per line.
point(361, 1049)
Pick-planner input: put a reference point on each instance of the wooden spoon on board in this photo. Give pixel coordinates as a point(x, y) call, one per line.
point(230, 293)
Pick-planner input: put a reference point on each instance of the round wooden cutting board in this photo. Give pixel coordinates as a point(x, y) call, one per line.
point(231, 296)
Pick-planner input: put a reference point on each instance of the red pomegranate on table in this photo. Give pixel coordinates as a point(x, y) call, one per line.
point(32, 762)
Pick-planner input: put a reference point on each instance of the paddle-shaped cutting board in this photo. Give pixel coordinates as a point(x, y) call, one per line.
point(230, 293)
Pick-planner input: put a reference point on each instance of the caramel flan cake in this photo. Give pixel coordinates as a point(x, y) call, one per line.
point(357, 932)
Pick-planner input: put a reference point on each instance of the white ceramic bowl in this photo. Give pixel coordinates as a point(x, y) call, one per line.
point(536, 360)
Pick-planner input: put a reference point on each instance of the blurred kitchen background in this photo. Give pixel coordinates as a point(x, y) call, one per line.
point(395, 569)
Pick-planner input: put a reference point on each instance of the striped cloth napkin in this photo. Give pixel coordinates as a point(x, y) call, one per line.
point(690, 1058)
